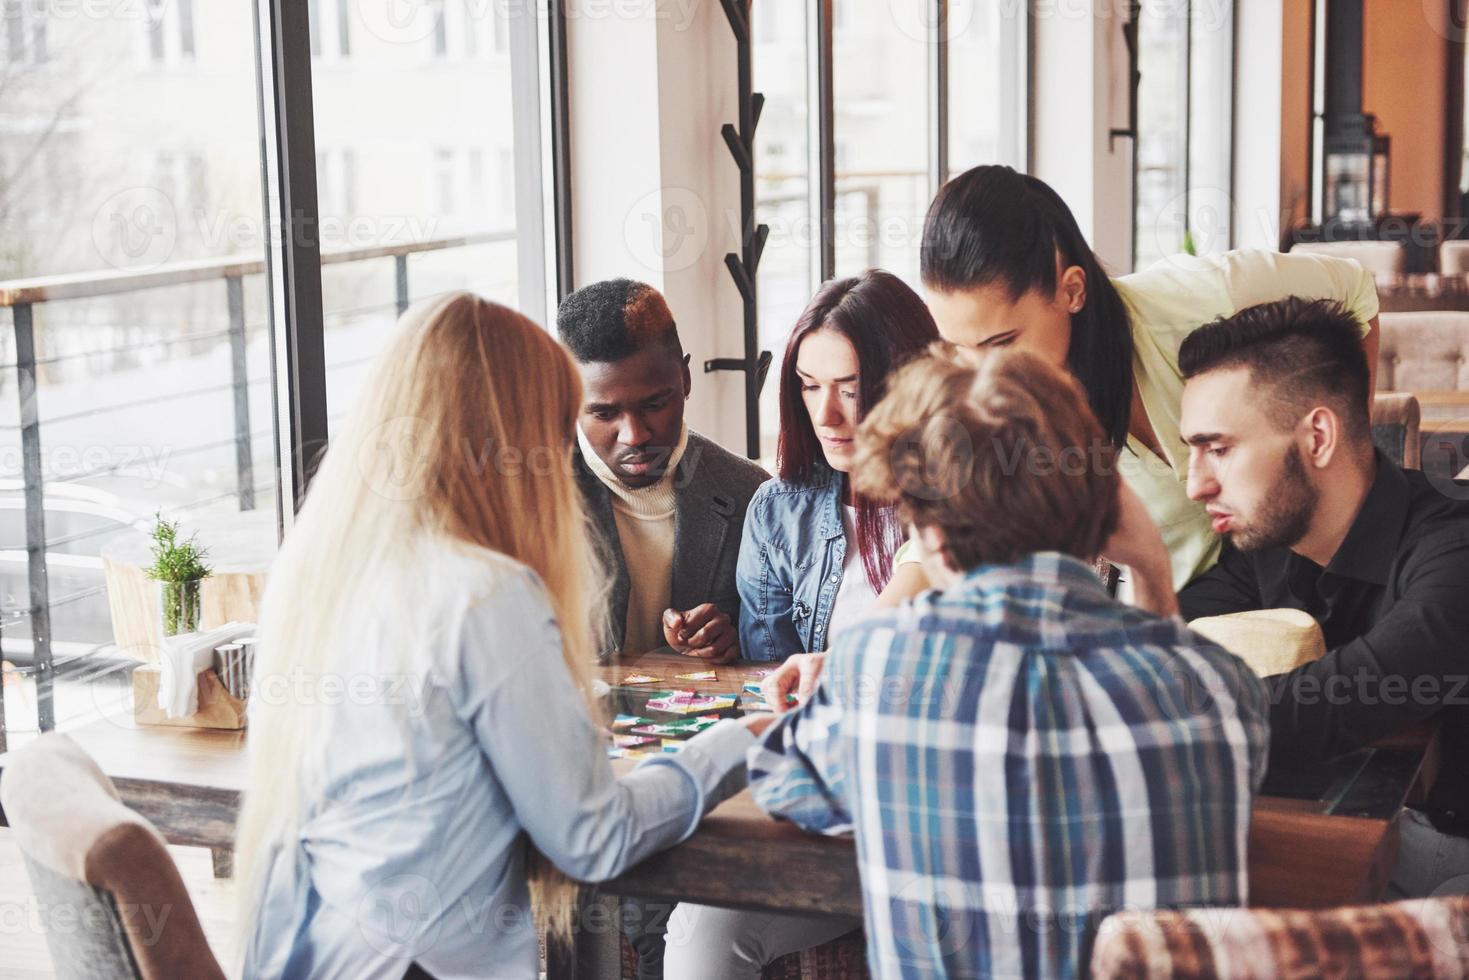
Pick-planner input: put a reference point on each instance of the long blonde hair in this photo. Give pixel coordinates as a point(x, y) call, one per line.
point(462, 436)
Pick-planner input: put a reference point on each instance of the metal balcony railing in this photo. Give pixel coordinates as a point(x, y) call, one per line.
point(22, 296)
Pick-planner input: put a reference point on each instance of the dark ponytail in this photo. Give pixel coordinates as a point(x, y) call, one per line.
point(992, 225)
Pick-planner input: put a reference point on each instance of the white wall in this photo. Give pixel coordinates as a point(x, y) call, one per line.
point(1258, 157)
point(655, 195)
point(1081, 94)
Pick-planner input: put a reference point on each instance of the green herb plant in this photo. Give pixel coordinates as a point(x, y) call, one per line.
point(180, 568)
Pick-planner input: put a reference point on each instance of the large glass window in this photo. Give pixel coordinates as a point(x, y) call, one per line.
point(133, 292)
point(137, 372)
point(1185, 130)
point(885, 107)
point(416, 138)
point(783, 188)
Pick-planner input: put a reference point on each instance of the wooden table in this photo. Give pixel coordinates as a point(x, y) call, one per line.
point(1330, 845)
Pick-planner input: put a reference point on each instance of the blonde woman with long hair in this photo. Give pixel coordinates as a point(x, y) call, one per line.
point(421, 706)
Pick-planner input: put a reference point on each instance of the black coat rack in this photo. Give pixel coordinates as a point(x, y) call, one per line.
point(742, 267)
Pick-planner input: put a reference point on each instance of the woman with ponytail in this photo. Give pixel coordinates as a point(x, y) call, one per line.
point(424, 759)
point(1004, 264)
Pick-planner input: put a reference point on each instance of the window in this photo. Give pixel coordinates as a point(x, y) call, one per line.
point(151, 394)
point(426, 175)
point(885, 102)
point(170, 30)
point(1185, 130)
point(344, 28)
point(24, 27)
point(441, 29)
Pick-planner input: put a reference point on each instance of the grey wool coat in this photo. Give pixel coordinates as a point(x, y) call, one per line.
point(711, 492)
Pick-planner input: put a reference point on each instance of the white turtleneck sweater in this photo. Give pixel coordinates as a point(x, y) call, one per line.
point(645, 530)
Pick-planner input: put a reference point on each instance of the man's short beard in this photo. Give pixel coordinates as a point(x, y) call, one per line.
point(1285, 517)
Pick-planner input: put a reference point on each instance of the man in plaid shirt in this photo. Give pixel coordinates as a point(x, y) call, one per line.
point(1018, 753)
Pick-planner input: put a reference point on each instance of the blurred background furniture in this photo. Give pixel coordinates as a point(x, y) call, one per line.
point(103, 867)
point(1382, 259)
point(1423, 938)
point(1396, 423)
point(1424, 351)
point(1453, 258)
point(1427, 353)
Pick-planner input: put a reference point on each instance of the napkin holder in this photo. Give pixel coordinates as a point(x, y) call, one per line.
point(217, 708)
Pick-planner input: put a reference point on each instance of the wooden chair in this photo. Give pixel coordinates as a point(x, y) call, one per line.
point(112, 900)
point(1397, 422)
point(1453, 258)
point(1423, 938)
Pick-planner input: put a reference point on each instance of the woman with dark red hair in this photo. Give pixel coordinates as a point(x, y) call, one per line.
point(815, 554)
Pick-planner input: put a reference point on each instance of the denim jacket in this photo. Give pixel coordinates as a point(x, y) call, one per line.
point(790, 567)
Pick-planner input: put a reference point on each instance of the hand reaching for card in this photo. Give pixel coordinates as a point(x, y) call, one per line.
point(798, 676)
point(704, 631)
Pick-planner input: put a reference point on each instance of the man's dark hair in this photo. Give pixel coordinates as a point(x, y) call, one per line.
point(617, 318)
point(1300, 353)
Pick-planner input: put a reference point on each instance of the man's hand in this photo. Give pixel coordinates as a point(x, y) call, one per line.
point(798, 675)
point(1138, 545)
point(704, 631)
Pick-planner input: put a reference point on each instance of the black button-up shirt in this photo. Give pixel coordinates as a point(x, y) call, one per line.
point(1393, 603)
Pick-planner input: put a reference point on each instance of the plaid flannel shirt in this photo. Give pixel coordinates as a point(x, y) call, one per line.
point(1020, 756)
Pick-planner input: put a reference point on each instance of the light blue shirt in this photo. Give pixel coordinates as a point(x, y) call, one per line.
point(413, 850)
point(792, 557)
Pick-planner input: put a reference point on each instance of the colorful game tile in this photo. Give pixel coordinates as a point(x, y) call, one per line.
point(685, 728)
point(631, 741)
point(639, 679)
point(613, 752)
point(627, 721)
point(690, 702)
point(698, 675)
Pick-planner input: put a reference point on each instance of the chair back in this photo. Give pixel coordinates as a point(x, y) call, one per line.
point(1453, 258)
point(113, 903)
point(1381, 259)
point(1422, 938)
point(1397, 424)
point(1424, 351)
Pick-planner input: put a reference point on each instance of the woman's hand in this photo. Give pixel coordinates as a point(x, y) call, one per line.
point(798, 675)
point(1138, 544)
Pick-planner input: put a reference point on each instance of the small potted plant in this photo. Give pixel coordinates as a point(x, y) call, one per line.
point(180, 568)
